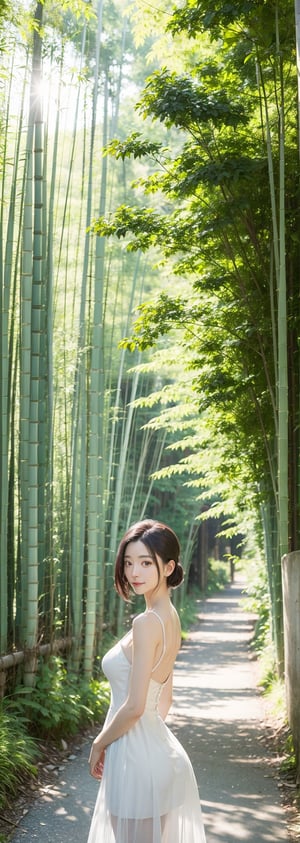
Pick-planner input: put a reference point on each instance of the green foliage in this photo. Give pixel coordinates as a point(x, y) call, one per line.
point(87, 292)
point(258, 602)
point(189, 610)
point(95, 697)
point(289, 761)
point(218, 575)
point(218, 578)
point(59, 706)
point(18, 753)
point(230, 107)
point(212, 218)
point(155, 319)
point(180, 101)
point(134, 146)
point(144, 223)
point(194, 15)
point(5, 7)
point(255, 20)
point(61, 703)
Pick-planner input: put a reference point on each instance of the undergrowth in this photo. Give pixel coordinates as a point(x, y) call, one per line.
point(58, 707)
point(272, 687)
point(188, 611)
point(218, 575)
point(18, 754)
point(61, 703)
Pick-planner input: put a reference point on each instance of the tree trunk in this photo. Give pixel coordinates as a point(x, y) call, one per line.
point(291, 605)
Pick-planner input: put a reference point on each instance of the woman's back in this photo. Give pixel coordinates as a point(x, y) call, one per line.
point(148, 792)
point(168, 644)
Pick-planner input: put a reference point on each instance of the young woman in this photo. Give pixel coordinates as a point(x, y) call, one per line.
point(148, 792)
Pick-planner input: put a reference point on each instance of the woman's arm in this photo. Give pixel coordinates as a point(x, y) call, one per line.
point(146, 637)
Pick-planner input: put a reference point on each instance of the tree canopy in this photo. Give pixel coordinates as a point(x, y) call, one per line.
point(230, 224)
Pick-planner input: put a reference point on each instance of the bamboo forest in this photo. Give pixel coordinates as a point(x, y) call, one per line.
point(150, 359)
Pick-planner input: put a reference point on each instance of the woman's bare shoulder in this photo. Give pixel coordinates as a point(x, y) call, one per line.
point(146, 620)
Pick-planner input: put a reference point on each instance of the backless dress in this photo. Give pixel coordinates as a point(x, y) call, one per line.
point(148, 792)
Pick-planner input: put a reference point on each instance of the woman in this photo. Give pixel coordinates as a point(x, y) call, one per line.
point(148, 792)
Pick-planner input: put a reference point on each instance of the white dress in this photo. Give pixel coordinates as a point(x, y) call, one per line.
point(148, 792)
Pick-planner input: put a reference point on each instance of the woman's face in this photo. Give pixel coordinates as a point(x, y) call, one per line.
point(140, 569)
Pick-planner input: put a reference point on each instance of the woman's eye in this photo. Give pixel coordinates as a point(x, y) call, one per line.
point(147, 562)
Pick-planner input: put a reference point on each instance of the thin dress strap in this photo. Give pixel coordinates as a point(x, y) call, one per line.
point(164, 638)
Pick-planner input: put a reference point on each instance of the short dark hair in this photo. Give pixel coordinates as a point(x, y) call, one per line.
point(160, 540)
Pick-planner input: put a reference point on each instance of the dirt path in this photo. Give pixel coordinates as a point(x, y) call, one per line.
point(218, 716)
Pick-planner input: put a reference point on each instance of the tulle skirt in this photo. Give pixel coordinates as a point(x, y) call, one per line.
point(148, 793)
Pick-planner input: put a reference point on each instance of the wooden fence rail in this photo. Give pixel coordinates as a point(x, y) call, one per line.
point(19, 656)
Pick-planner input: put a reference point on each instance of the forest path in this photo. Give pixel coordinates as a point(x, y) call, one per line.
point(218, 715)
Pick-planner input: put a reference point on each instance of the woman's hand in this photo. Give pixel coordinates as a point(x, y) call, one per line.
point(96, 761)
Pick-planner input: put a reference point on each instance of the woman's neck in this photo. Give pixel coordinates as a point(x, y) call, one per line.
point(157, 600)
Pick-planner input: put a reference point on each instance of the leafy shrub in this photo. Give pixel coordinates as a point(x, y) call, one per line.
point(95, 697)
point(18, 753)
point(61, 703)
point(258, 602)
point(189, 610)
point(218, 575)
point(289, 761)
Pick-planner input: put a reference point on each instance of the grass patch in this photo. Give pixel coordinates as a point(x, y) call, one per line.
point(274, 695)
point(18, 754)
point(288, 763)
